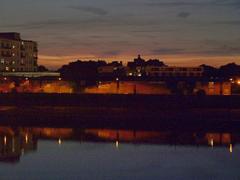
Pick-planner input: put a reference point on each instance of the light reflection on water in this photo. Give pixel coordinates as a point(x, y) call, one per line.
point(65, 153)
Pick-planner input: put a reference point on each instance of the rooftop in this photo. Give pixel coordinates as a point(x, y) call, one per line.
point(10, 35)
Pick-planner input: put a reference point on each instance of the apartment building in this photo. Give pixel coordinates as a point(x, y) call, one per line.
point(16, 54)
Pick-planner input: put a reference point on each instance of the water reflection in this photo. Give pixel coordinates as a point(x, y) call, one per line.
point(15, 142)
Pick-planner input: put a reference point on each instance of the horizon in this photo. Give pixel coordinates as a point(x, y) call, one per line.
point(183, 33)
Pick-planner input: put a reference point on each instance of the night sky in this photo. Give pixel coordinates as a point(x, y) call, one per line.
point(179, 32)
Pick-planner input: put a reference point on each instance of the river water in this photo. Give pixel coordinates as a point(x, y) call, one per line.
point(67, 153)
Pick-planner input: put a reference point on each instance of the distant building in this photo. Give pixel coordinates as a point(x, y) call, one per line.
point(114, 68)
point(17, 55)
point(167, 71)
point(138, 66)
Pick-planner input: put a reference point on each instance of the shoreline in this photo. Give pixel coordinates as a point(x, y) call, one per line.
point(120, 111)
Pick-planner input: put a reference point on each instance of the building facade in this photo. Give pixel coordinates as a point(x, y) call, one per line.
point(167, 71)
point(17, 55)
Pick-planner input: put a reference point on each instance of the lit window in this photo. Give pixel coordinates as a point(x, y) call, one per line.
point(13, 47)
point(13, 70)
point(13, 62)
point(2, 61)
point(7, 68)
point(13, 54)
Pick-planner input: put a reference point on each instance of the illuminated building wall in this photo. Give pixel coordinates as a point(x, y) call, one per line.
point(17, 55)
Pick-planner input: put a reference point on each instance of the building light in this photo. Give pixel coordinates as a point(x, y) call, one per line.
point(22, 43)
point(13, 54)
point(26, 78)
point(117, 79)
point(211, 142)
point(230, 148)
point(13, 62)
point(59, 79)
point(59, 141)
point(117, 144)
point(13, 70)
point(5, 140)
point(238, 82)
point(139, 75)
point(13, 47)
point(26, 138)
point(130, 74)
point(5, 78)
point(7, 68)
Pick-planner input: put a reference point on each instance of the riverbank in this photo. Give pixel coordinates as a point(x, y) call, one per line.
point(120, 111)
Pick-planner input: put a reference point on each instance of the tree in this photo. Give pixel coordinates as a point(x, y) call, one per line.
point(229, 70)
point(79, 71)
point(209, 71)
point(42, 68)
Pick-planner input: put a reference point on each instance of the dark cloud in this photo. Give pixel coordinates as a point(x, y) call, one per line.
point(228, 50)
point(167, 51)
point(52, 23)
point(224, 50)
point(183, 14)
point(111, 53)
point(233, 22)
point(89, 9)
point(232, 3)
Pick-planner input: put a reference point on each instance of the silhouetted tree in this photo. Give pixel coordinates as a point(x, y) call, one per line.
point(209, 71)
point(229, 70)
point(42, 68)
point(80, 71)
point(154, 62)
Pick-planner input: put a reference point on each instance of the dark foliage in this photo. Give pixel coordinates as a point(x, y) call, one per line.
point(42, 68)
point(81, 70)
